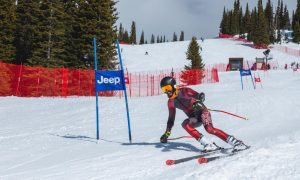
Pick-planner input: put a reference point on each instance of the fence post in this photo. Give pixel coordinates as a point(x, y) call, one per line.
point(19, 80)
point(52, 81)
point(65, 76)
point(139, 85)
point(78, 90)
point(38, 81)
point(90, 86)
point(159, 83)
point(207, 78)
point(130, 83)
point(152, 85)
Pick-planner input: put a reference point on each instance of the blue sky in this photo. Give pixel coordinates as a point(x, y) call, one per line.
point(200, 18)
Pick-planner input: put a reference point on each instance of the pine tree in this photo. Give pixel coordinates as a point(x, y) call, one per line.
point(181, 38)
point(232, 23)
point(120, 33)
point(278, 39)
point(81, 31)
point(106, 17)
point(286, 19)
point(7, 26)
point(223, 22)
point(73, 36)
point(261, 31)
point(192, 75)
point(251, 34)
point(227, 23)
point(152, 39)
point(296, 38)
point(157, 39)
point(241, 30)
point(27, 14)
point(174, 37)
point(126, 37)
point(236, 19)
point(97, 19)
point(193, 55)
point(293, 19)
point(277, 22)
point(296, 17)
point(142, 40)
point(296, 23)
point(247, 20)
point(133, 33)
point(50, 39)
point(277, 16)
point(281, 16)
point(269, 18)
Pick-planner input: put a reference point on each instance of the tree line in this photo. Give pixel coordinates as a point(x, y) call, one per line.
point(261, 25)
point(131, 37)
point(58, 33)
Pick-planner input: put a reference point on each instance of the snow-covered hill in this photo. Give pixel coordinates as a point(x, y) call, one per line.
point(172, 54)
point(54, 138)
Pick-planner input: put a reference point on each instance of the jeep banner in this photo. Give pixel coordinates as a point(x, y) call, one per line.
point(109, 80)
point(245, 72)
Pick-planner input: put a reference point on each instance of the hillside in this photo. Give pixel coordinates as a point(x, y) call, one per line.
point(172, 54)
point(54, 138)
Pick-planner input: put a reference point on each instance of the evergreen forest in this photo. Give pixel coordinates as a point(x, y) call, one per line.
point(58, 33)
point(263, 24)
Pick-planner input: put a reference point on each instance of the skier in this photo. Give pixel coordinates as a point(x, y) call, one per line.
point(191, 103)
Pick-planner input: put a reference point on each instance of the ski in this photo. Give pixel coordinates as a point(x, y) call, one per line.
point(203, 160)
point(170, 162)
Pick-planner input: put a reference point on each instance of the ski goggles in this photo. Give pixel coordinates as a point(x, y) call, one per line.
point(167, 89)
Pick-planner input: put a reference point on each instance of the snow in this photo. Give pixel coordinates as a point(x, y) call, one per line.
point(54, 138)
point(172, 54)
point(291, 45)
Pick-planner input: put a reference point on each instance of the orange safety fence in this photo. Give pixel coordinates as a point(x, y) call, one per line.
point(290, 51)
point(147, 84)
point(26, 81)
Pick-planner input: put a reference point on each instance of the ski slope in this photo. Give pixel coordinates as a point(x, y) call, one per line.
point(54, 138)
point(172, 55)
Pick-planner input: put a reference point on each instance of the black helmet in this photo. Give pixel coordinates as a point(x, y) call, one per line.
point(168, 81)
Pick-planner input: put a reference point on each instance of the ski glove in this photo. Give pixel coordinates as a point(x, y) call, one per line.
point(201, 97)
point(197, 106)
point(164, 137)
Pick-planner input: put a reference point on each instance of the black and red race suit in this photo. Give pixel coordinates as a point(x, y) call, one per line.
point(184, 101)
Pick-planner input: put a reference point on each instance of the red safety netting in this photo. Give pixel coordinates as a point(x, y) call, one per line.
point(148, 84)
point(290, 51)
point(26, 81)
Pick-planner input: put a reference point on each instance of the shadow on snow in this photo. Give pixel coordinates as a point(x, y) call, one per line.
point(165, 147)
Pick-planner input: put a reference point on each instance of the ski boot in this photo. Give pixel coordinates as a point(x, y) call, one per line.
point(207, 146)
point(237, 145)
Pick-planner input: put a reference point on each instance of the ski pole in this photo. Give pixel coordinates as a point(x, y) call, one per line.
point(223, 112)
point(228, 113)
